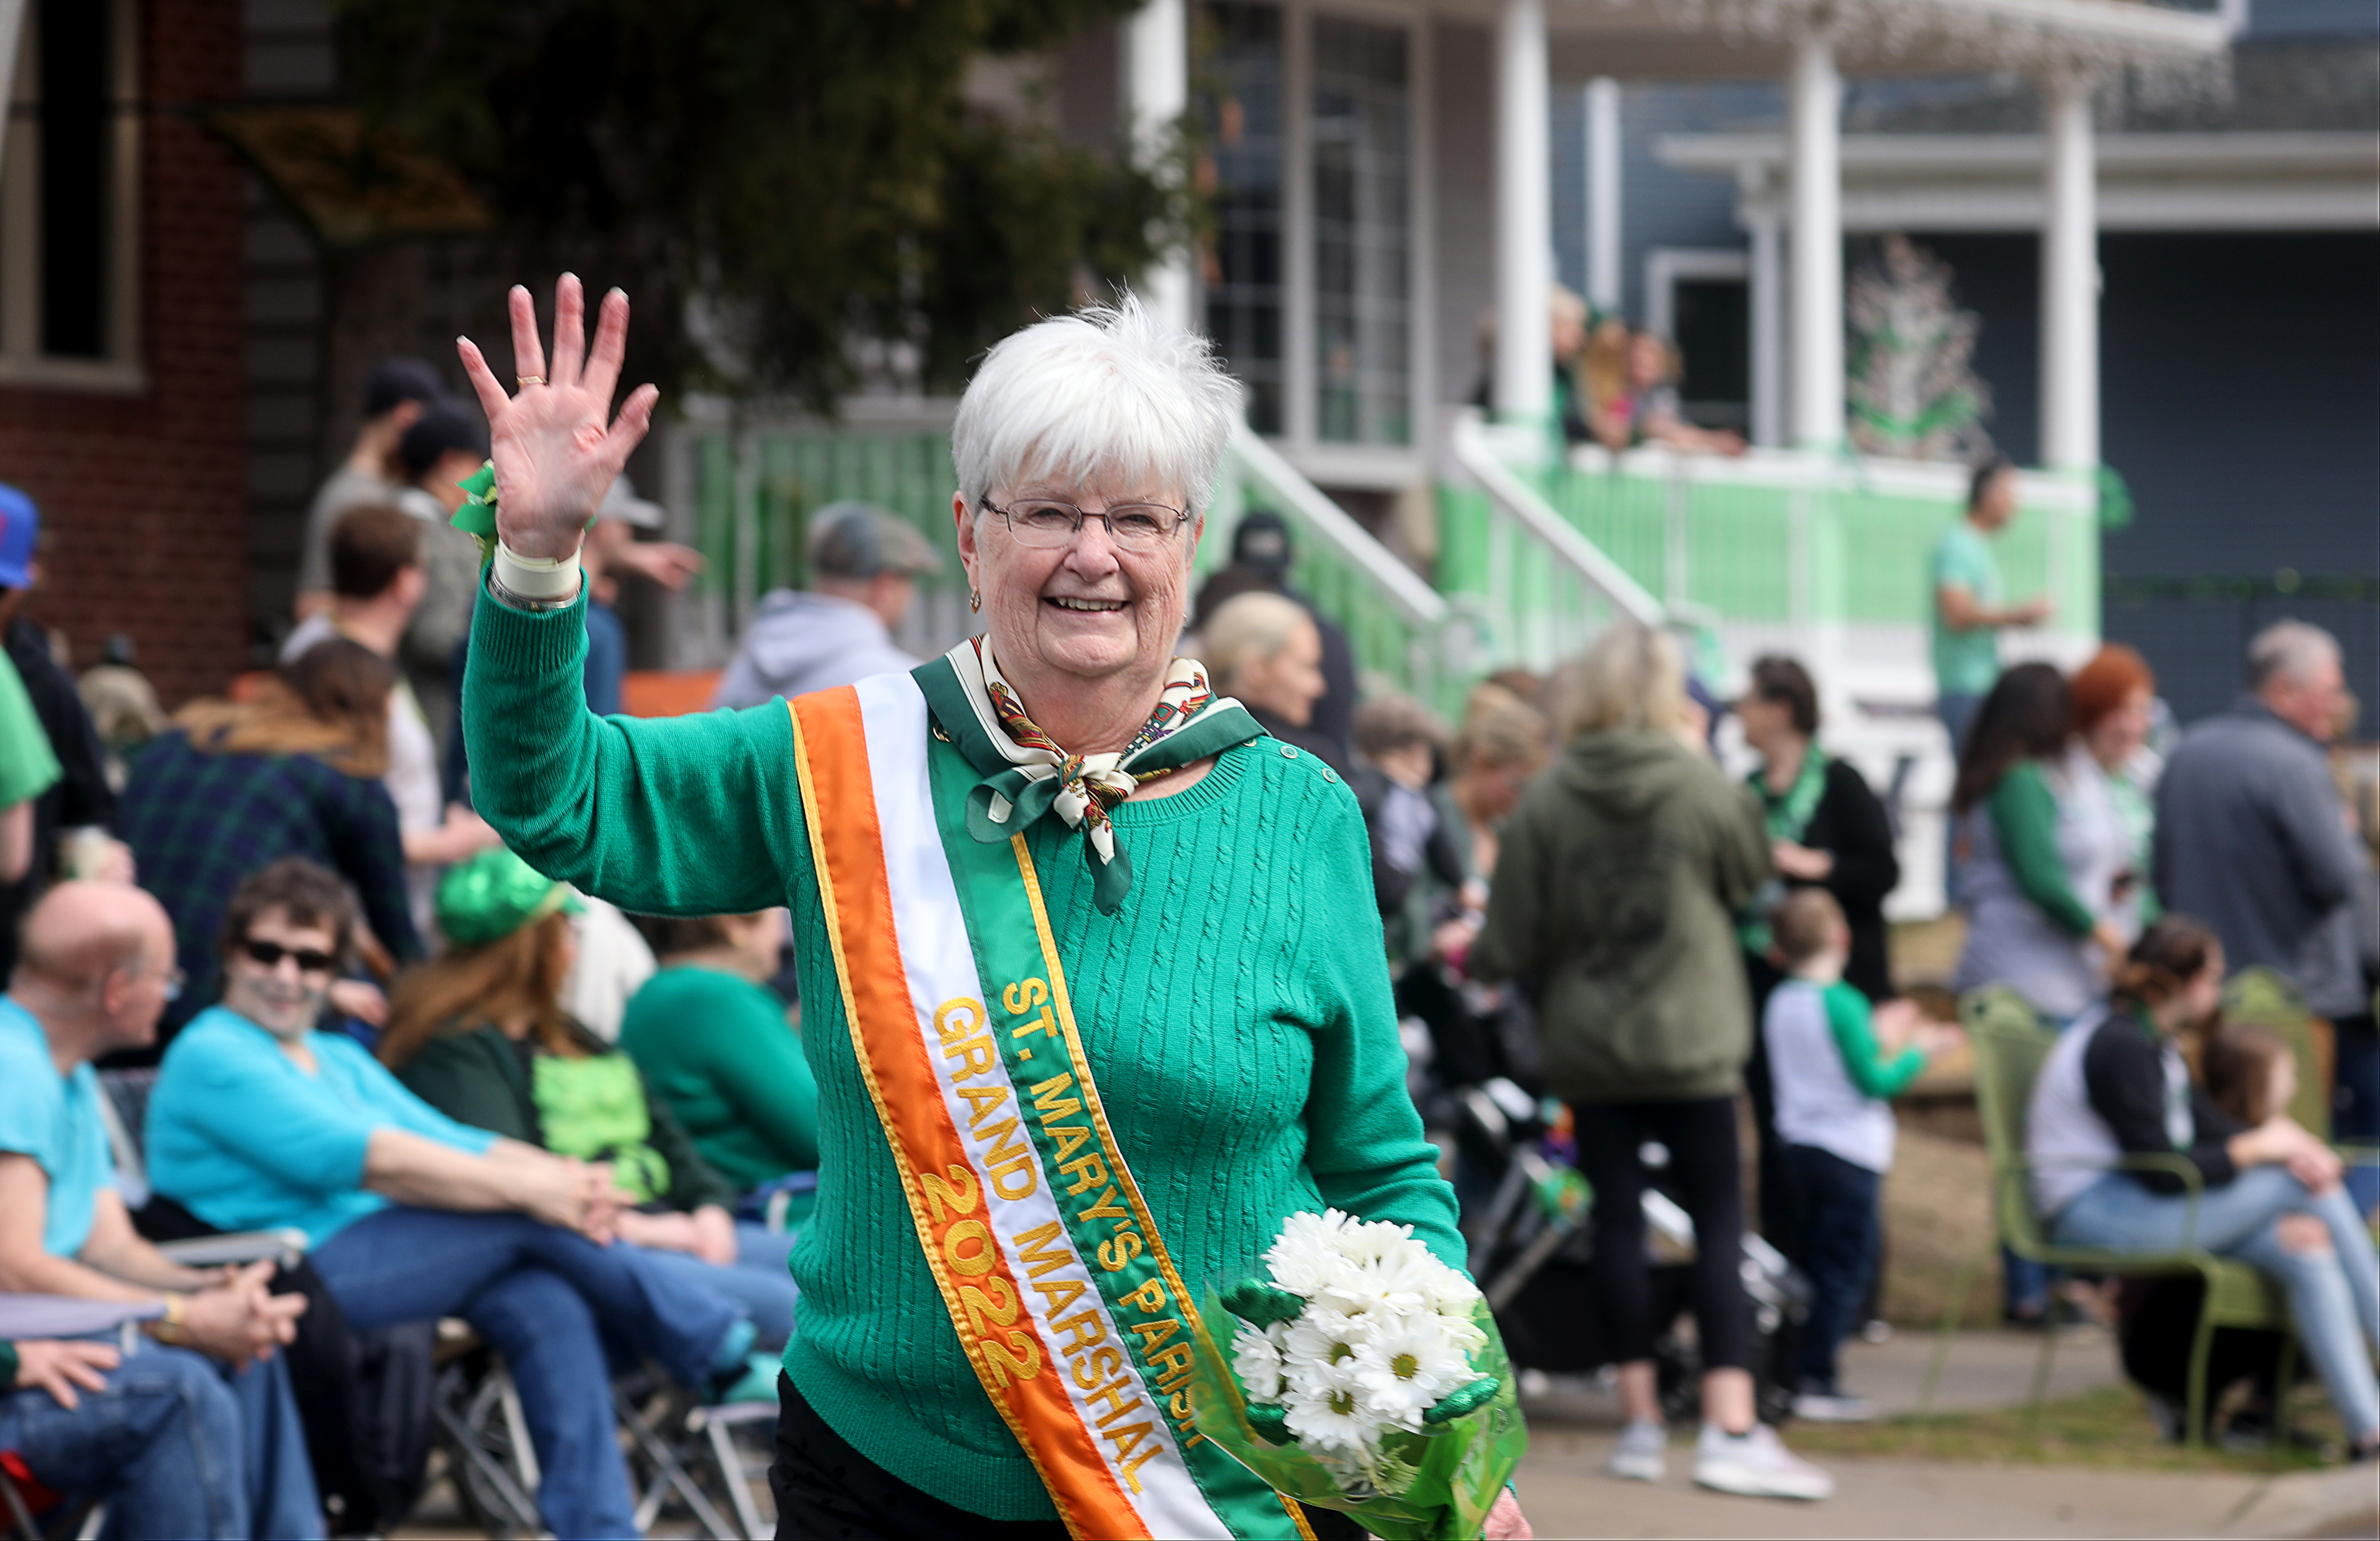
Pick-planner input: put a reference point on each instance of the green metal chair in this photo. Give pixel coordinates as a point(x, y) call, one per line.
point(2010, 1047)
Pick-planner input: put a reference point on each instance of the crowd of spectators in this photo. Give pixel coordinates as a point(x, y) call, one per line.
point(478, 1094)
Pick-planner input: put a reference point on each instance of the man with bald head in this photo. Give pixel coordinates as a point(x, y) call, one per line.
point(95, 974)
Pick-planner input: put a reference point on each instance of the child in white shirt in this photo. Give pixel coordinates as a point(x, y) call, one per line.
point(1833, 1079)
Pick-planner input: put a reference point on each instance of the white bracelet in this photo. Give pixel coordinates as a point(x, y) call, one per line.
point(540, 578)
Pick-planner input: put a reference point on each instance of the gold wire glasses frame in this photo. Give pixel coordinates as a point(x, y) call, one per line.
point(1048, 523)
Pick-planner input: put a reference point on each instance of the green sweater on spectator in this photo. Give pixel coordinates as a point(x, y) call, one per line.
point(1236, 1013)
point(718, 1050)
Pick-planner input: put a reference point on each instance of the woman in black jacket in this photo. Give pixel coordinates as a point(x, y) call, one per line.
point(1826, 829)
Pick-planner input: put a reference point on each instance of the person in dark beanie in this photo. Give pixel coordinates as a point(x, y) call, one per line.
point(395, 393)
point(1261, 554)
point(445, 444)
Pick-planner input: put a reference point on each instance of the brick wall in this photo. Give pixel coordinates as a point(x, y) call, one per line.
point(144, 497)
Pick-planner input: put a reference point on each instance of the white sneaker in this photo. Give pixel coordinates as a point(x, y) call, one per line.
point(1756, 1465)
point(1832, 1407)
point(1636, 1455)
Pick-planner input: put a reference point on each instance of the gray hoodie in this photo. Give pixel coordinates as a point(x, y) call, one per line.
point(1620, 875)
point(801, 642)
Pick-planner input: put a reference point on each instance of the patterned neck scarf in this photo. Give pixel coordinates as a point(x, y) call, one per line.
point(1029, 776)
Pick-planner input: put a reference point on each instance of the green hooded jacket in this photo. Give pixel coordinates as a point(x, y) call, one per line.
point(1616, 891)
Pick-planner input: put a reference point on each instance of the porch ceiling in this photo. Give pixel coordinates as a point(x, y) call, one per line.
point(1675, 39)
point(2146, 181)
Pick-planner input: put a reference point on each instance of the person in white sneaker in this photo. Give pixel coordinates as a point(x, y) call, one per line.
point(1832, 1080)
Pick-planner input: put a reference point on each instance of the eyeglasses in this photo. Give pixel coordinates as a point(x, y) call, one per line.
point(270, 954)
point(1047, 523)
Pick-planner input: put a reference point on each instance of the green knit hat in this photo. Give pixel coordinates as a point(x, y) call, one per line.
point(487, 897)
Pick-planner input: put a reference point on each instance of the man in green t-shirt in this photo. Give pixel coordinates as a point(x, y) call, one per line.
point(28, 768)
point(1969, 614)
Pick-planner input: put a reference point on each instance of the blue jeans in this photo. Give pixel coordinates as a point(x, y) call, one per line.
point(542, 1296)
point(2334, 1295)
point(758, 1280)
point(178, 1447)
point(1839, 1236)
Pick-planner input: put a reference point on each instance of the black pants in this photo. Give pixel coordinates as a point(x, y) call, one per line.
point(1703, 1178)
point(827, 1491)
point(1839, 1226)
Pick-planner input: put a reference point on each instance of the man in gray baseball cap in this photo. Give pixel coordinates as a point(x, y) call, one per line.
point(864, 563)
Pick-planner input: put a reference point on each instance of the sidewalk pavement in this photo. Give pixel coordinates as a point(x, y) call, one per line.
point(1570, 1430)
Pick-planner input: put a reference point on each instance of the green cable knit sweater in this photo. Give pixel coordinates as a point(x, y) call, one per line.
point(1236, 1014)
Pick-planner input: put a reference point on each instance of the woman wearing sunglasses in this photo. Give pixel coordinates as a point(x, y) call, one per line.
point(258, 1120)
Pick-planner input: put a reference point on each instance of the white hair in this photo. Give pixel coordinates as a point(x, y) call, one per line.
point(1111, 394)
point(2290, 649)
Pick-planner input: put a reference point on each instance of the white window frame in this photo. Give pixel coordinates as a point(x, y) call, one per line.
point(1383, 467)
point(1664, 265)
point(121, 370)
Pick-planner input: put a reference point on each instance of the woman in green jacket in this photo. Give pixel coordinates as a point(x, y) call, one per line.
point(479, 1032)
point(1617, 890)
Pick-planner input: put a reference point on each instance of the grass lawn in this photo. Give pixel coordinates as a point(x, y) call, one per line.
point(2107, 1429)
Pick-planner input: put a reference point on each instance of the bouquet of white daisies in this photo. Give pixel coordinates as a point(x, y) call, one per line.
point(1362, 1374)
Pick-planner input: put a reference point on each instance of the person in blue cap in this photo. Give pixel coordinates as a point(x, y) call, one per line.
point(77, 796)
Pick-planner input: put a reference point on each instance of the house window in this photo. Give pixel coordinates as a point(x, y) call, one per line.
point(1315, 160)
point(69, 187)
point(1242, 69)
point(1702, 302)
point(1363, 232)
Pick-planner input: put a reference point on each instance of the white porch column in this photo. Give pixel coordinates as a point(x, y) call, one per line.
point(1157, 93)
point(2070, 277)
point(1524, 217)
point(1605, 281)
point(1768, 316)
point(1816, 99)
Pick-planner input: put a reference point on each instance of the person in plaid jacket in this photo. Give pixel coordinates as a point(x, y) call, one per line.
point(237, 785)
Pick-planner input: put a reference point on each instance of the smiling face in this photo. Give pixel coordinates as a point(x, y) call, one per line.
point(1087, 610)
point(285, 997)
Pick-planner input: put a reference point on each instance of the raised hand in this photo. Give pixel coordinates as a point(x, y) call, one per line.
point(555, 457)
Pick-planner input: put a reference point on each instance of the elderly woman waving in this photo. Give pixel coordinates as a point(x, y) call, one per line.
point(1086, 1007)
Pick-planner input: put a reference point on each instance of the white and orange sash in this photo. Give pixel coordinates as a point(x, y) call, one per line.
point(1056, 1280)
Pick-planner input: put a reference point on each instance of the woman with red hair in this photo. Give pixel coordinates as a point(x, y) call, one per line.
point(2114, 697)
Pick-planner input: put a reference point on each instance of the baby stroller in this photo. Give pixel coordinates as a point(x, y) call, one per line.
point(1525, 1211)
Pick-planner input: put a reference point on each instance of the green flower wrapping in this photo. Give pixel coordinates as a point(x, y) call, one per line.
point(1445, 1478)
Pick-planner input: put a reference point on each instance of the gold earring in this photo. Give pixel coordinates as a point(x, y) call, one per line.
point(975, 600)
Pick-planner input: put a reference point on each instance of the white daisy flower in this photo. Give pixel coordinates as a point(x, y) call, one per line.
point(1331, 1411)
point(1407, 1366)
point(1256, 1360)
point(1318, 1340)
point(1309, 1251)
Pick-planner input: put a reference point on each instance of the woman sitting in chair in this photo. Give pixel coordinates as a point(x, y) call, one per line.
point(480, 1034)
point(2268, 1196)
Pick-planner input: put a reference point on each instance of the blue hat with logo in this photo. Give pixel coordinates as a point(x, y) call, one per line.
point(20, 522)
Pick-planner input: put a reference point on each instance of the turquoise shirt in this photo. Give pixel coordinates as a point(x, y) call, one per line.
point(1965, 663)
point(245, 1140)
point(55, 1119)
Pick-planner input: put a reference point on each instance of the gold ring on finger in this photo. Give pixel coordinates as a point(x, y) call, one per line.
point(525, 381)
